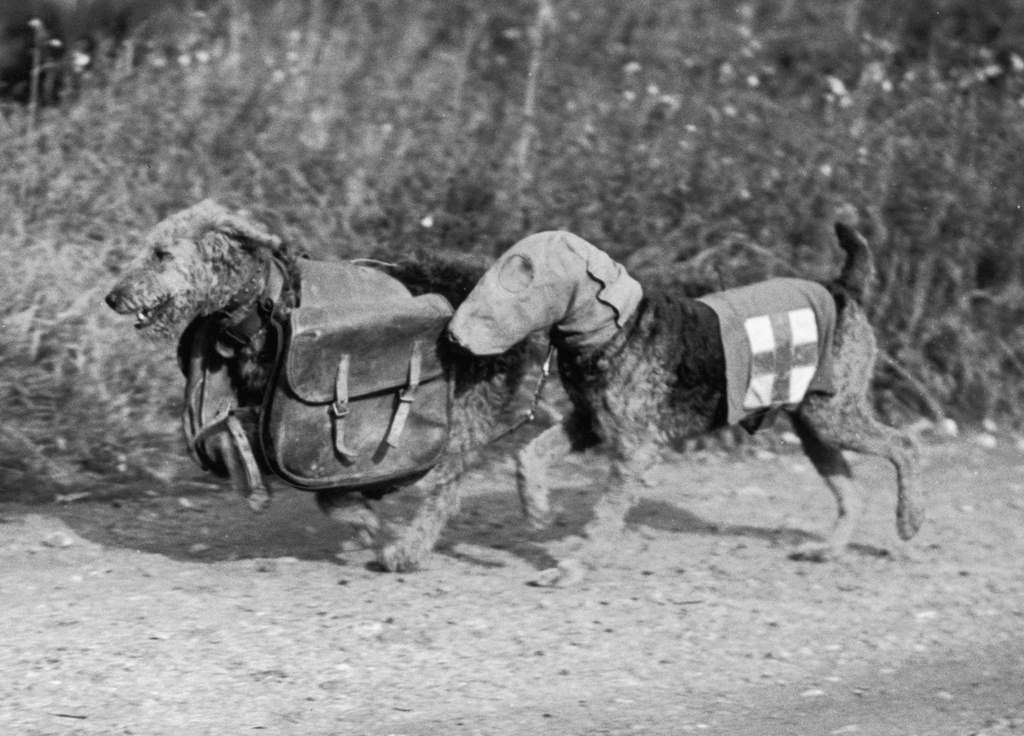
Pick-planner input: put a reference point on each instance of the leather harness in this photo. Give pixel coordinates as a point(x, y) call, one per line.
point(239, 332)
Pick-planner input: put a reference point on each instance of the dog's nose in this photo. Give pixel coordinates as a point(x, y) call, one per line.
point(113, 299)
point(454, 337)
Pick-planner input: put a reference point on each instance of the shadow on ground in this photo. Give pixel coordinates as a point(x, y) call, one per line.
point(212, 524)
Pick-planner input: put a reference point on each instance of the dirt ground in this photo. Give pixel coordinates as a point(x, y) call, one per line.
point(177, 611)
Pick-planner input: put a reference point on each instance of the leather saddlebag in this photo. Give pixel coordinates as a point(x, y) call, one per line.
point(360, 397)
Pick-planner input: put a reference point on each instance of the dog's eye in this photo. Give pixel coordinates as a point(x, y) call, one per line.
point(162, 255)
point(516, 273)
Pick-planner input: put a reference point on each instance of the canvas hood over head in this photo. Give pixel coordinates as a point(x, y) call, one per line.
point(552, 279)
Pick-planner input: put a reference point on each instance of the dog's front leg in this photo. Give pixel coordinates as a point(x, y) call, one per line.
point(356, 514)
point(532, 464)
point(623, 488)
point(626, 480)
point(404, 547)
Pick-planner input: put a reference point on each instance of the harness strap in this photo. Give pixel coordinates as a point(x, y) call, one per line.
point(241, 327)
point(258, 496)
point(405, 398)
point(238, 457)
point(530, 414)
point(340, 408)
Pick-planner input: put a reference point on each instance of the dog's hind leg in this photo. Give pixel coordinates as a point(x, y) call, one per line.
point(532, 464)
point(854, 427)
point(828, 460)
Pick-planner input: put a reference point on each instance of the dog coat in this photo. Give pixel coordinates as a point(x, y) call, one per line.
point(777, 338)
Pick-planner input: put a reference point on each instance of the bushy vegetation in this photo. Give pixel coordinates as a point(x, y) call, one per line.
point(703, 142)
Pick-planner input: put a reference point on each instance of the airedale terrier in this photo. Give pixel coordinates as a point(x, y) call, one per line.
point(209, 260)
point(648, 370)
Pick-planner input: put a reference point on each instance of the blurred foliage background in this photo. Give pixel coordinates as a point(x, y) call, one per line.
point(703, 142)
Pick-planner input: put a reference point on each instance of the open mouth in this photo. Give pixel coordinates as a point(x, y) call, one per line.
point(146, 316)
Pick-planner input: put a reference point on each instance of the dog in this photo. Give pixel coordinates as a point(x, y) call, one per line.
point(211, 261)
point(645, 371)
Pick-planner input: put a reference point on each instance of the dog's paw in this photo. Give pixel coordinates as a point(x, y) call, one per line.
point(567, 574)
point(398, 557)
point(815, 553)
point(357, 539)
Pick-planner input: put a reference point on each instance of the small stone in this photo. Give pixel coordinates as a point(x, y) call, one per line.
point(986, 441)
point(71, 497)
point(989, 425)
point(58, 539)
point(789, 438)
point(814, 692)
point(368, 629)
point(198, 548)
point(926, 615)
point(948, 428)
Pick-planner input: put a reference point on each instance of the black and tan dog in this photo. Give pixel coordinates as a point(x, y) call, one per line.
point(649, 370)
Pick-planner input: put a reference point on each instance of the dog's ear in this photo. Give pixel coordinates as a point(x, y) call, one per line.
point(620, 291)
point(238, 226)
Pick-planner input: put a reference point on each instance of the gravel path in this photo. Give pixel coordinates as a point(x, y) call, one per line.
point(181, 613)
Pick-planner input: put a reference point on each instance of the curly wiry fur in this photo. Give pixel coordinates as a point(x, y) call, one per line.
point(661, 379)
point(208, 260)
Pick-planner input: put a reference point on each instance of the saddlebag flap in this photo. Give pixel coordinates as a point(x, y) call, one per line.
point(360, 397)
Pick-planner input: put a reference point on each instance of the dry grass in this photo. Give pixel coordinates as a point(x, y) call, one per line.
point(673, 136)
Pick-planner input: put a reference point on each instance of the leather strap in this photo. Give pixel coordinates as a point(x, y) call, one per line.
point(530, 414)
point(255, 491)
point(340, 408)
point(405, 398)
point(238, 458)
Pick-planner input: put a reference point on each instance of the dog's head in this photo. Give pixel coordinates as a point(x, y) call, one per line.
point(551, 279)
point(194, 262)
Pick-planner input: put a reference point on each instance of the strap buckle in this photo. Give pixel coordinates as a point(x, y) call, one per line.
point(339, 410)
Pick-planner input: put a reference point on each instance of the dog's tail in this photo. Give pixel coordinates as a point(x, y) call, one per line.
point(859, 268)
